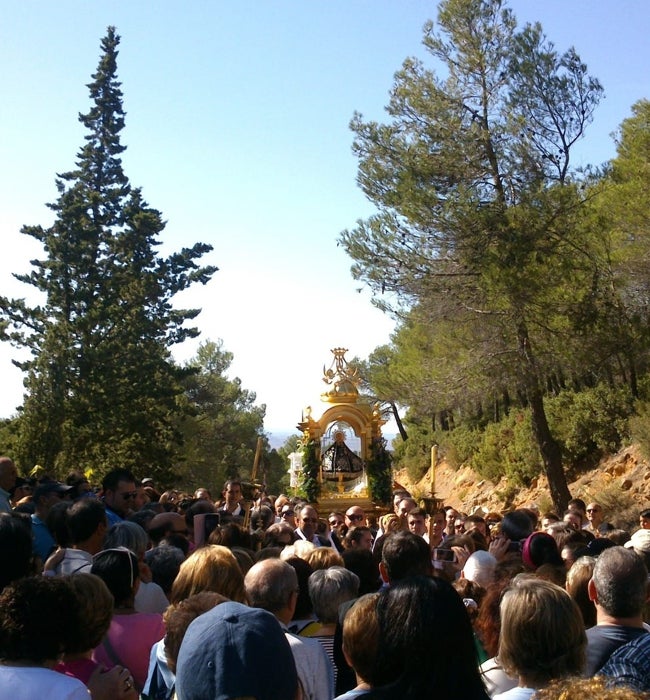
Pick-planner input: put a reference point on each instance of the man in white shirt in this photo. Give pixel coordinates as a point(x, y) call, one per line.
point(273, 586)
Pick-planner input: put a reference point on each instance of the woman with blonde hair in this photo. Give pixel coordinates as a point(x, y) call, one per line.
point(542, 636)
point(210, 568)
point(323, 558)
point(577, 579)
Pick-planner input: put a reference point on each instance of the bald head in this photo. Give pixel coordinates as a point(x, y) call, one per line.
point(272, 585)
point(8, 473)
point(165, 524)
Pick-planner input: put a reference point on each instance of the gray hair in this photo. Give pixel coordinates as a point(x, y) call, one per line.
point(129, 535)
point(621, 581)
point(269, 584)
point(330, 588)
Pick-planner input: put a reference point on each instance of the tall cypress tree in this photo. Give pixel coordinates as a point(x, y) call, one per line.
point(101, 384)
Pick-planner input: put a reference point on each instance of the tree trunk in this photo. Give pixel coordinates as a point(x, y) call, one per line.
point(548, 446)
point(398, 421)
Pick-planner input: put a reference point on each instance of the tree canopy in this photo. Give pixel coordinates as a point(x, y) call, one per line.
point(101, 387)
point(479, 233)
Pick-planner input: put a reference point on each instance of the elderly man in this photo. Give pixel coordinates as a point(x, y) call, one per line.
point(273, 586)
point(278, 504)
point(596, 521)
point(618, 588)
point(8, 476)
point(163, 525)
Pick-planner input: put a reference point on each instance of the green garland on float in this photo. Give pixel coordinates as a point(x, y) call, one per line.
point(379, 471)
point(309, 484)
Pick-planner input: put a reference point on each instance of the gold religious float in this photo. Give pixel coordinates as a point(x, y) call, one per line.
point(343, 434)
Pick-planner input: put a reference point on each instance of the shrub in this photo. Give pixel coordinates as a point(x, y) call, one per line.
point(639, 427)
point(590, 422)
point(508, 449)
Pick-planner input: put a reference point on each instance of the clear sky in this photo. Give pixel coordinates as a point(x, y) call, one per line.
point(237, 130)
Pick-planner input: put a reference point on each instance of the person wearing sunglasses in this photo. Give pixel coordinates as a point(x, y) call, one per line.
point(119, 493)
point(355, 516)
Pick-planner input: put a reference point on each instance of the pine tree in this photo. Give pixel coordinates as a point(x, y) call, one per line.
point(478, 221)
point(101, 384)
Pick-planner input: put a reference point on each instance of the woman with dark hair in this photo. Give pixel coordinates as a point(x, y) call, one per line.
point(94, 606)
point(539, 549)
point(15, 548)
point(278, 535)
point(38, 619)
point(426, 647)
point(131, 634)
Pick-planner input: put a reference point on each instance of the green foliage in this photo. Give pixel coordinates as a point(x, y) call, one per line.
point(619, 506)
point(276, 476)
point(220, 423)
point(591, 422)
point(309, 484)
point(102, 388)
point(639, 427)
point(460, 444)
point(508, 449)
point(291, 444)
point(378, 469)
point(9, 437)
point(414, 454)
point(479, 227)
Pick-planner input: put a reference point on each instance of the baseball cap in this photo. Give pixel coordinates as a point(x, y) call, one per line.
point(234, 651)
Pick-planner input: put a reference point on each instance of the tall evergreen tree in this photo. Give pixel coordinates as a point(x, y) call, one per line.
point(101, 384)
point(477, 203)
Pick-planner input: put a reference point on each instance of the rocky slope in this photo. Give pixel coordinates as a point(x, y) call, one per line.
point(621, 483)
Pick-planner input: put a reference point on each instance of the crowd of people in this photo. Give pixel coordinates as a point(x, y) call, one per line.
point(127, 591)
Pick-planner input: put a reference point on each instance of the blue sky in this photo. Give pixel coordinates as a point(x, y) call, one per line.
point(237, 130)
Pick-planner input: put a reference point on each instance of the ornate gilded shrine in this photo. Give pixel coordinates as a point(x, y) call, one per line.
point(344, 432)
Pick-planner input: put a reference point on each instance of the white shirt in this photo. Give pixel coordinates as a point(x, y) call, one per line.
point(313, 666)
point(31, 682)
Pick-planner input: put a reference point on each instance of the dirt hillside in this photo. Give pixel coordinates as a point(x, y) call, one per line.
point(621, 482)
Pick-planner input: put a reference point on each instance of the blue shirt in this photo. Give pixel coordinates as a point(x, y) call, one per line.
point(112, 517)
point(630, 664)
point(43, 543)
point(5, 504)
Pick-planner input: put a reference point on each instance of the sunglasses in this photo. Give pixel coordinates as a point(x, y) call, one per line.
point(355, 517)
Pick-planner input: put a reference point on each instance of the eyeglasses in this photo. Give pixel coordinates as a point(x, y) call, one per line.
point(355, 517)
